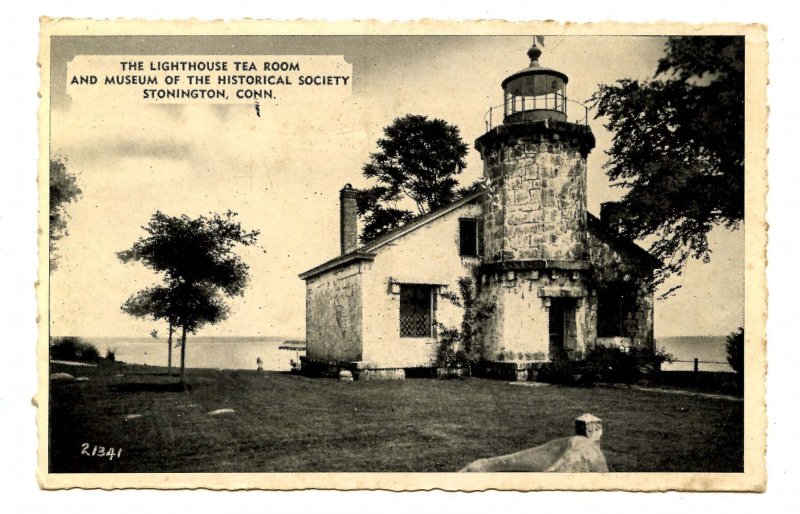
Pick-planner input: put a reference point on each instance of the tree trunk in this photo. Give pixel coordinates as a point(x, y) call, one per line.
point(183, 354)
point(169, 350)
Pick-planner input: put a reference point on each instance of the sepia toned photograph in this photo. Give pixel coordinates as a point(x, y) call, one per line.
point(402, 256)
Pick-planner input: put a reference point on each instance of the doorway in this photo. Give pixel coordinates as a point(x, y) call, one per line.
point(563, 328)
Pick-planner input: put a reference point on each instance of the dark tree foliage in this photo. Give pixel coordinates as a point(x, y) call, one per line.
point(73, 349)
point(678, 147)
point(196, 258)
point(416, 166)
point(195, 250)
point(180, 304)
point(158, 303)
point(63, 190)
point(734, 346)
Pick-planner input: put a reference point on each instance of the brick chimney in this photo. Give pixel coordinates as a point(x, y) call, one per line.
point(611, 216)
point(348, 218)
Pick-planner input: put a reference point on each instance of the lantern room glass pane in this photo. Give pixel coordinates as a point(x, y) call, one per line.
point(535, 85)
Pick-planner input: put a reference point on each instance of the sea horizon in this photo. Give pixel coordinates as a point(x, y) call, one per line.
point(176, 335)
point(242, 352)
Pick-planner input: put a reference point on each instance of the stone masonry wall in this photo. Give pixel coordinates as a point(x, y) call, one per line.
point(536, 202)
point(611, 265)
point(519, 327)
point(639, 323)
point(334, 312)
point(591, 320)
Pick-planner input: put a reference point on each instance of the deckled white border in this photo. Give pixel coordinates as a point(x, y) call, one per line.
point(17, 268)
point(753, 478)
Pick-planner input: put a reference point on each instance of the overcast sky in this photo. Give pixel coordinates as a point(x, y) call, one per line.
point(282, 171)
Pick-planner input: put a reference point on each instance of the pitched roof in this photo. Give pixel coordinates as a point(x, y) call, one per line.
point(419, 221)
point(367, 250)
point(337, 262)
point(603, 232)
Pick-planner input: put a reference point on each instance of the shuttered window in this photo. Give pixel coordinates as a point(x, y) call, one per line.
point(470, 237)
point(613, 308)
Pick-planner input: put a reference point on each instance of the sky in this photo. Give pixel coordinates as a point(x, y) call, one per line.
point(282, 171)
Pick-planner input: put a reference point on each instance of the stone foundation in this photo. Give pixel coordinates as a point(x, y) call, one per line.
point(512, 371)
point(360, 371)
point(381, 374)
point(452, 372)
point(327, 369)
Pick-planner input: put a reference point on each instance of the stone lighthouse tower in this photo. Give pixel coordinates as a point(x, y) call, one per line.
point(535, 222)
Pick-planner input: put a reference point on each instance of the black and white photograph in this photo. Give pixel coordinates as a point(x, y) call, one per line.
point(402, 256)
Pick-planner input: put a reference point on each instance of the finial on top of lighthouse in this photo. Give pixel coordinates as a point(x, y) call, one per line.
point(535, 51)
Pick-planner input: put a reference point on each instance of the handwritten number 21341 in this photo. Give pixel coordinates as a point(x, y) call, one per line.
point(100, 451)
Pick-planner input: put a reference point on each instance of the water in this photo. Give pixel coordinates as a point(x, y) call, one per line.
point(705, 348)
point(202, 352)
point(242, 352)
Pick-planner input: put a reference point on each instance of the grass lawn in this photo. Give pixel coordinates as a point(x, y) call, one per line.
point(295, 424)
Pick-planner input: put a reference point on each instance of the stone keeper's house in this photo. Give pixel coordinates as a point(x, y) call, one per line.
point(560, 278)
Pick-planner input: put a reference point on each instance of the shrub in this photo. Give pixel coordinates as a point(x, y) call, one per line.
point(613, 364)
point(111, 354)
point(734, 345)
point(618, 365)
point(608, 364)
point(565, 372)
point(460, 347)
point(73, 349)
point(448, 352)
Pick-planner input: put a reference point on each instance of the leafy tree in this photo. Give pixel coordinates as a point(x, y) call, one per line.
point(63, 190)
point(416, 166)
point(678, 147)
point(196, 258)
point(158, 303)
point(734, 345)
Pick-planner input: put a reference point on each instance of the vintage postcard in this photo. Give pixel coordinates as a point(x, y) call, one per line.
point(403, 256)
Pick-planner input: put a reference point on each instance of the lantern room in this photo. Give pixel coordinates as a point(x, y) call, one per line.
point(535, 93)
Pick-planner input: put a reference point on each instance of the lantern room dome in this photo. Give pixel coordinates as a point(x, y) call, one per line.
point(535, 93)
point(535, 80)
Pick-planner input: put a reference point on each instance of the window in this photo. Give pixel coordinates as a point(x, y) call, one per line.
point(417, 310)
point(470, 237)
point(613, 307)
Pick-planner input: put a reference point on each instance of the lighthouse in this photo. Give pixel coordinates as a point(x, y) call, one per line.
point(534, 218)
point(551, 281)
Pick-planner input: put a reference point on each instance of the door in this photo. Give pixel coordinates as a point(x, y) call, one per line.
point(563, 327)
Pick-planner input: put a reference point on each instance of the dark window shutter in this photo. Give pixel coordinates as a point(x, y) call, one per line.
point(468, 237)
point(480, 237)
